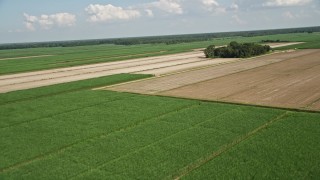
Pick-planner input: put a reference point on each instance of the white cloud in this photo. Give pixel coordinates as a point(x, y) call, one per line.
point(100, 13)
point(48, 21)
point(213, 6)
point(279, 3)
point(238, 20)
point(210, 3)
point(30, 21)
point(45, 21)
point(296, 15)
point(234, 7)
point(170, 6)
point(288, 15)
point(15, 31)
point(63, 19)
point(149, 12)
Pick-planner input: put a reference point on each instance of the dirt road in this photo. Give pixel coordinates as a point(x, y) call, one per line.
point(283, 44)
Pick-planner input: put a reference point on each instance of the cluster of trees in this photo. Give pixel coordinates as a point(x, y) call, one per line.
point(172, 39)
point(273, 41)
point(236, 50)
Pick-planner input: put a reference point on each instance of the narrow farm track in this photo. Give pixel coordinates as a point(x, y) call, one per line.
point(283, 44)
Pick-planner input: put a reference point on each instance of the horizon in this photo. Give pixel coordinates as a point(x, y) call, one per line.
point(163, 35)
point(101, 19)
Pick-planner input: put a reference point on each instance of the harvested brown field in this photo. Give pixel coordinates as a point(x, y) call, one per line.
point(289, 79)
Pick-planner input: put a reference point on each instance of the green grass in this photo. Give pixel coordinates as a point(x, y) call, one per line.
point(70, 131)
point(74, 56)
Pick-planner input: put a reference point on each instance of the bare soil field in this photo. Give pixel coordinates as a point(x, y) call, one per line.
point(288, 79)
point(187, 66)
point(160, 65)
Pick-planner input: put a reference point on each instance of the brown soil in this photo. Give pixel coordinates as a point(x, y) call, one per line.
point(153, 65)
point(290, 80)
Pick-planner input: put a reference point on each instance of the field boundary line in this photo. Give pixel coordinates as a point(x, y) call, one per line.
point(201, 161)
point(312, 103)
point(98, 136)
point(233, 103)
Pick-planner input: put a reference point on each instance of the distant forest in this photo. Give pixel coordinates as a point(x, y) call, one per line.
point(171, 39)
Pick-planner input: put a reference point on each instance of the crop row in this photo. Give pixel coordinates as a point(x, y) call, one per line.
point(74, 132)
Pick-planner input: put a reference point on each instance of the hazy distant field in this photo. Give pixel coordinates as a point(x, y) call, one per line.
point(73, 56)
point(70, 131)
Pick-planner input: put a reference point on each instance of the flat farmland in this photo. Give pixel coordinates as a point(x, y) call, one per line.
point(151, 65)
point(289, 79)
point(76, 113)
point(36, 59)
point(69, 131)
point(158, 65)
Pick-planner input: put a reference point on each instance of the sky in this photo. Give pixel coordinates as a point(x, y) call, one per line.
point(55, 20)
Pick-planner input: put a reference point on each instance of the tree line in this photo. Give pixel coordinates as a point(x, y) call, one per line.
point(236, 50)
point(171, 39)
